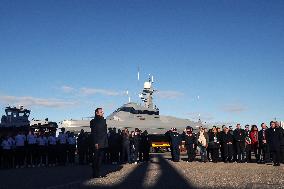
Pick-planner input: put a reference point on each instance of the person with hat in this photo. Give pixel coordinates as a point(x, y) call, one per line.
point(190, 142)
point(100, 141)
point(175, 138)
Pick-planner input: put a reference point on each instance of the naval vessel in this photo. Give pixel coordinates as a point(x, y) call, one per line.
point(144, 116)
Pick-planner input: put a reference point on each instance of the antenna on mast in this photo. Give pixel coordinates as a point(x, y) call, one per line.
point(129, 98)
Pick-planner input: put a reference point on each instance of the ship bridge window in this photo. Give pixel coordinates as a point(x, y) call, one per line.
point(129, 109)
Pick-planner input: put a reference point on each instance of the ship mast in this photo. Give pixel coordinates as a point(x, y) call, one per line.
point(147, 93)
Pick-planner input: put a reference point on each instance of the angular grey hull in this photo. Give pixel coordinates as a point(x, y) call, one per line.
point(152, 125)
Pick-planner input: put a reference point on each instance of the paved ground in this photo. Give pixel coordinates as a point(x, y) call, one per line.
point(159, 173)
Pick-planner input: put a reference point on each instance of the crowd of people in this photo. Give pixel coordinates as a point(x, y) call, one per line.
point(43, 149)
point(37, 149)
point(122, 146)
point(228, 145)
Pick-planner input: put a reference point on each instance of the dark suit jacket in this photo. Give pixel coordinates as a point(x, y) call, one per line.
point(274, 139)
point(260, 137)
point(99, 132)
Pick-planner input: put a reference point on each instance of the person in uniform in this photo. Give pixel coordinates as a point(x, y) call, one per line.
point(99, 136)
point(31, 149)
point(175, 138)
point(20, 150)
point(263, 145)
point(71, 148)
point(52, 149)
point(62, 147)
point(274, 141)
point(190, 141)
point(41, 149)
point(7, 152)
point(239, 137)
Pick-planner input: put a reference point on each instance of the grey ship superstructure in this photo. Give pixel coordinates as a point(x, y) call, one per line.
point(15, 117)
point(132, 115)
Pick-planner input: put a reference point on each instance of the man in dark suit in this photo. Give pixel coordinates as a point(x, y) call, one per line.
point(239, 138)
point(263, 144)
point(282, 141)
point(99, 139)
point(274, 141)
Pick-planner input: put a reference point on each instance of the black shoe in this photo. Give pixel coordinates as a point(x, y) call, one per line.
point(276, 164)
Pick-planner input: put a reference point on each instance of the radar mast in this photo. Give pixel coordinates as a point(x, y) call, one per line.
point(147, 93)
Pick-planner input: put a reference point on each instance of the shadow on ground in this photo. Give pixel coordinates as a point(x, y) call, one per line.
point(169, 178)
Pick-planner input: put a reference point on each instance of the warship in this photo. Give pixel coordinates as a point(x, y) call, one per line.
point(144, 116)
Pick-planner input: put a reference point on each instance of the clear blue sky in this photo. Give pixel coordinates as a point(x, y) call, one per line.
point(64, 58)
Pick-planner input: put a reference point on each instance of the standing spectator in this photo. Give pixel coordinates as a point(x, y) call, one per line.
point(221, 134)
point(247, 144)
point(214, 145)
point(7, 152)
point(263, 145)
point(239, 137)
point(125, 157)
point(41, 149)
point(145, 146)
point(274, 141)
point(62, 147)
point(176, 142)
point(282, 141)
point(82, 147)
point(52, 153)
point(190, 141)
point(71, 148)
point(254, 142)
point(136, 142)
point(99, 136)
point(31, 149)
point(20, 150)
point(202, 142)
point(227, 140)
